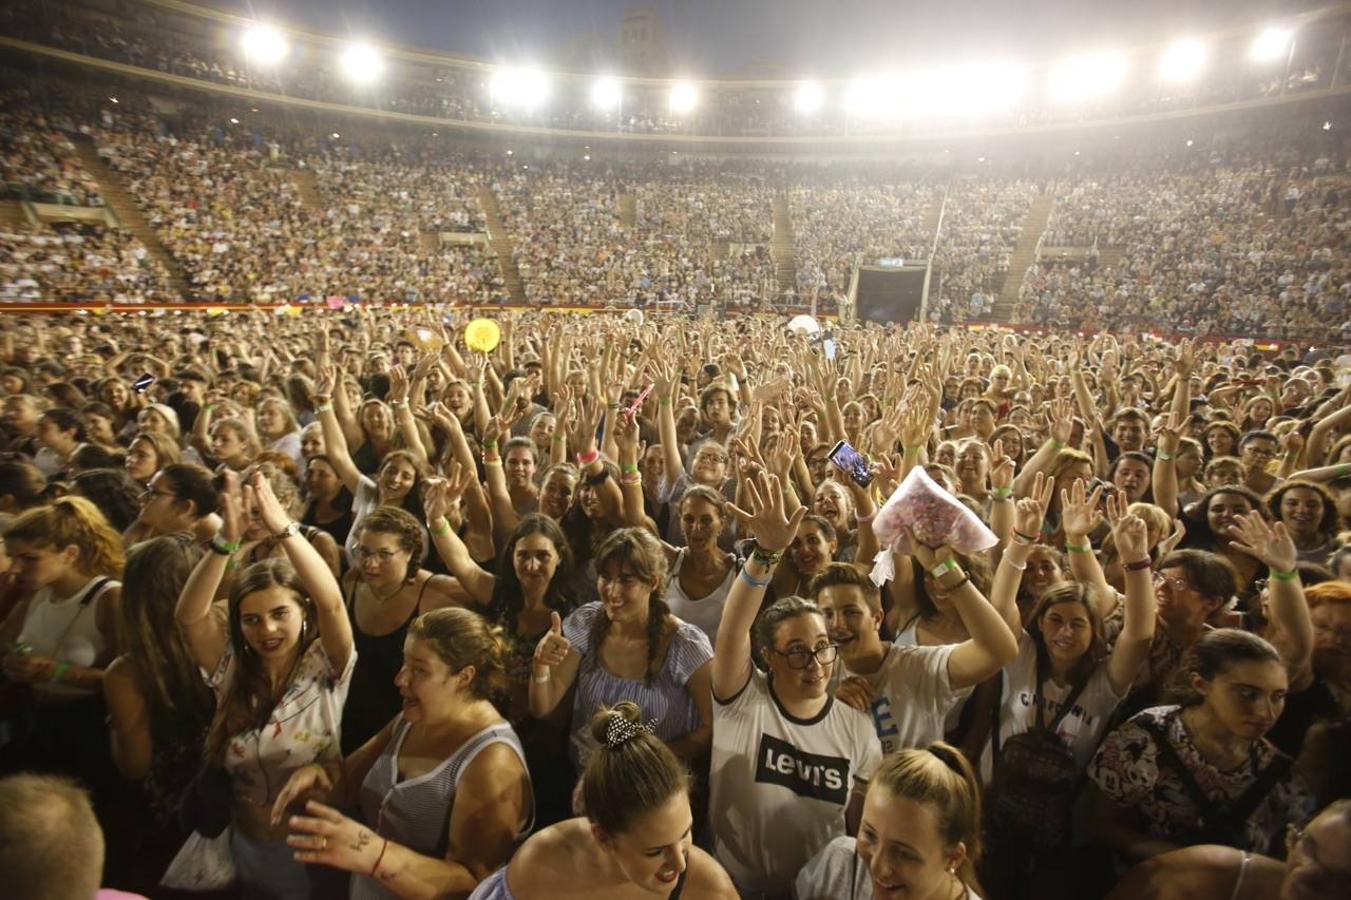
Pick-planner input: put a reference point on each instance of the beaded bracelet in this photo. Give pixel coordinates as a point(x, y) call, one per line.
point(399, 404)
point(637, 479)
point(1137, 565)
point(1009, 559)
point(966, 579)
point(767, 558)
point(1283, 576)
point(492, 461)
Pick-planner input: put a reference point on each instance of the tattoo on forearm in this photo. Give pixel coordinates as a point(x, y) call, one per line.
point(362, 839)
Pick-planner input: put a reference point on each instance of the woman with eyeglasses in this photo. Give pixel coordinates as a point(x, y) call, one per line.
point(384, 593)
point(790, 766)
point(1317, 866)
point(180, 497)
point(1202, 771)
point(1210, 523)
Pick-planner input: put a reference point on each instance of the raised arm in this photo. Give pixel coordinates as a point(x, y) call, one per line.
point(1167, 438)
point(1061, 417)
point(991, 645)
point(335, 442)
point(553, 669)
point(1272, 545)
point(335, 628)
point(773, 532)
point(204, 634)
point(1027, 516)
point(437, 500)
point(1080, 516)
point(667, 389)
point(403, 416)
point(1137, 629)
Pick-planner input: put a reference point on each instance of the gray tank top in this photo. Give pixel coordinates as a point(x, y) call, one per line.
point(415, 812)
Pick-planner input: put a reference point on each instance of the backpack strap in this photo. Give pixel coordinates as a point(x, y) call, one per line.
point(1209, 810)
point(1040, 704)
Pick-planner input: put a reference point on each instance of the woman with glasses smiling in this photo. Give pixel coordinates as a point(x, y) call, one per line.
point(790, 765)
point(386, 591)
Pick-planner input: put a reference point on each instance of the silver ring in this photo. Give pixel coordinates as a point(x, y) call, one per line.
point(323, 843)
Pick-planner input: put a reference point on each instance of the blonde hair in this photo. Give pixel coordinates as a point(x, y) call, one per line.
point(73, 521)
point(941, 778)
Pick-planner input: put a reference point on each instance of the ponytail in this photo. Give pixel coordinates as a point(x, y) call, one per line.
point(73, 521)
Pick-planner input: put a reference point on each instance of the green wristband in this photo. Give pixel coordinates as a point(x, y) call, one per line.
point(60, 671)
point(1344, 470)
point(1078, 548)
point(665, 401)
point(1003, 493)
point(628, 467)
point(1166, 457)
point(490, 445)
point(1283, 576)
point(1056, 445)
point(442, 531)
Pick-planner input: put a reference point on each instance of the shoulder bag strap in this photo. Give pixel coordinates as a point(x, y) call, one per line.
point(1168, 755)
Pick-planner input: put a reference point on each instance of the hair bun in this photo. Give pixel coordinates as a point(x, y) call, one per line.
point(616, 725)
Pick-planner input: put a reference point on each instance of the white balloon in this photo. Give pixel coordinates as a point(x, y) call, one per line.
point(804, 324)
point(634, 317)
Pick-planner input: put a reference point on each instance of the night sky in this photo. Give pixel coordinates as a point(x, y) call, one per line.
point(789, 37)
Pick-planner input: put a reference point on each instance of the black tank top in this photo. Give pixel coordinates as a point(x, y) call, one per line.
point(373, 699)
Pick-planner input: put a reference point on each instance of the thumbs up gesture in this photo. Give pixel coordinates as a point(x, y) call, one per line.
point(553, 647)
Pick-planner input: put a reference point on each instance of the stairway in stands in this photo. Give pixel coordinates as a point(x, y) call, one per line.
point(307, 186)
point(128, 212)
point(1024, 255)
point(783, 250)
point(628, 210)
point(931, 215)
point(12, 216)
point(501, 243)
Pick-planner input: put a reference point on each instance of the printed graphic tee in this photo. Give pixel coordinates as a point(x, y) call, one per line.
point(780, 784)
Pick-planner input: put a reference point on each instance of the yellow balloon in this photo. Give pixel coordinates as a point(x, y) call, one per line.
point(102, 310)
point(482, 335)
point(294, 310)
point(214, 311)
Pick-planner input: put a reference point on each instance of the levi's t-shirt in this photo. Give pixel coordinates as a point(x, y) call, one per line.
point(780, 784)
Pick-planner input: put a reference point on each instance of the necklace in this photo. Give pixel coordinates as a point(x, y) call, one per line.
point(381, 601)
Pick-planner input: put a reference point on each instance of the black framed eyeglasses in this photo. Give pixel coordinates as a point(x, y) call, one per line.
point(801, 657)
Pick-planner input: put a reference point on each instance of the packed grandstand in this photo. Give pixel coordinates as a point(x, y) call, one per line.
point(422, 476)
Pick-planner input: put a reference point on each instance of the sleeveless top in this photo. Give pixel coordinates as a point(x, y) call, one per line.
point(705, 613)
point(67, 631)
point(374, 698)
point(495, 887)
point(415, 812)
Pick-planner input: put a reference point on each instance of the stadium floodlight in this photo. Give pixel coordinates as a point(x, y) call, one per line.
point(967, 90)
point(1271, 44)
point(683, 97)
point(362, 63)
point(521, 88)
point(1183, 60)
point(1088, 75)
point(808, 98)
point(264, 44)
point(606, 93)
point(867, 97)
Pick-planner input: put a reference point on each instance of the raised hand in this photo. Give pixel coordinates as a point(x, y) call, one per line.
point(1168, 434)
point(398, 385)
point(765, 521)
point(1001, 468)
point(274, 516)
point(625, 429)
point(928, 556)
point(553, 648)
point(231, 509)
point(1174, 537)
point(1060, 414)
point(1080, 514)
point(1131, 537)
point(1269, 543)
point(1029, 512)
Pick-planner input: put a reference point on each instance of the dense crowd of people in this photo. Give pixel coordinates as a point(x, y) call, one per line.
point(354, 603)
point(1235, 243)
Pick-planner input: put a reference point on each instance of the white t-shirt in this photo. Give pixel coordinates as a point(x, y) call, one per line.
point(838, 873)
point(1081, 729)
point(780, 784)
point(913, 695)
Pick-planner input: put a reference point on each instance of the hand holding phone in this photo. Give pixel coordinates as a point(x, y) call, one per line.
point(851, 462)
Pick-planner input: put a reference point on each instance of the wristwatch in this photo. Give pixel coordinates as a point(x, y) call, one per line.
point(291, 530)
